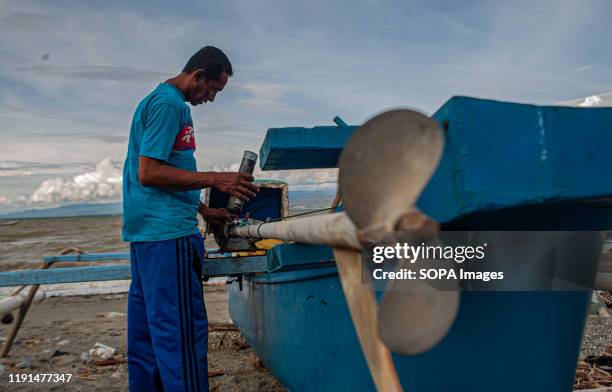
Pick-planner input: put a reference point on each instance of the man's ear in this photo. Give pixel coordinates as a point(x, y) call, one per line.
point(199, 74)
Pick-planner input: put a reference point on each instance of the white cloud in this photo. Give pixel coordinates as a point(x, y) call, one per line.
point(103, 184)
point(593, 100)
point(597, 100)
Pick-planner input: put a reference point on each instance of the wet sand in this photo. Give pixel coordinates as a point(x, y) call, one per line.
point(57, 331)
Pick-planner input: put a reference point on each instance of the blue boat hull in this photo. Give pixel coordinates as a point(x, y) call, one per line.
point(298, 323)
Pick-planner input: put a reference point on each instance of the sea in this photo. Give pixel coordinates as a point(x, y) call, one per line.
point(24, 244)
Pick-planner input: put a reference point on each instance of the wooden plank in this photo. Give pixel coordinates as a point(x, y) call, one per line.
point(88, 257)
point(303, 148)
point(235, 265)
point(65, 275)
point(213, 267)
point(558, 153)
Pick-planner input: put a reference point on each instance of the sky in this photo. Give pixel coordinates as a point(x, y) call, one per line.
point(72, 72)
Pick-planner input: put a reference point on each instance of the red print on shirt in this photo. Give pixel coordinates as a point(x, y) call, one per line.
point(185, 139)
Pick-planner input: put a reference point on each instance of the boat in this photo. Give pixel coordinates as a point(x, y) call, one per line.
point(505, 166)
point(8, 223)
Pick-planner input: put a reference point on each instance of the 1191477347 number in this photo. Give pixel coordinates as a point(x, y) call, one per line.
point(39, 377)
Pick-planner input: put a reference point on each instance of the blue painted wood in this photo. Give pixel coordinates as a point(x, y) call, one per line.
point(499, 155)
point(65, 275)
point(235, 265)
point(288, 256)
point(212, 267)
point(88, 257)
point(303, 148)
point(340, 122)
point(212, 254)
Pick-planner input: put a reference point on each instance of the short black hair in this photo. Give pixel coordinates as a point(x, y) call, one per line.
point(212, 60)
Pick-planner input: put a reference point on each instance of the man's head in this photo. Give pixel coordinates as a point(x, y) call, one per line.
point(206, 73)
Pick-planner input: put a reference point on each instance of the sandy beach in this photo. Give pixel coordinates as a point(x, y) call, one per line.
point(59, 330)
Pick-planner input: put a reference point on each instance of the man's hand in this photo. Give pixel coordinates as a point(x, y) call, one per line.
point(236, 184)
point(215, 216)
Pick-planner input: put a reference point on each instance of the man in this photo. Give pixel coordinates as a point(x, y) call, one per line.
point(167, 322)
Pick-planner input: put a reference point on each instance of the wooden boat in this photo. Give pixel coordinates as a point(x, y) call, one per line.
point(505, 166)
point(8, 223)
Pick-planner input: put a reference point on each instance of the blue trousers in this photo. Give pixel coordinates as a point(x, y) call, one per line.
point(167, 321)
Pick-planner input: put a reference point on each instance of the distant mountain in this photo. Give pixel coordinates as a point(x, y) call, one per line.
point(67, 211)
point(311, 199)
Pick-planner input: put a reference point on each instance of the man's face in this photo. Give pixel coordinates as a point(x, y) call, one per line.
point(206, 90)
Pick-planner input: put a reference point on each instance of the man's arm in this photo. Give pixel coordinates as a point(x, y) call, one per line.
point(154, 172)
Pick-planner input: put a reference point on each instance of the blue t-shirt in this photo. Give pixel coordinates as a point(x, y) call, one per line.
point(161, 129)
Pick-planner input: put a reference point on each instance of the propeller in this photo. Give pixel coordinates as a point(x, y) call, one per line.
point(383, 170)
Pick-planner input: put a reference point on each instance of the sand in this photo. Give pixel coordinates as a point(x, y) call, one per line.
point(58, 330)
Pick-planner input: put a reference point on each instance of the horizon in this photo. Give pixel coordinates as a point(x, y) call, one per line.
point(298, 199)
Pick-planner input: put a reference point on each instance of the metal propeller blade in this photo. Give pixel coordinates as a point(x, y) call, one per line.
point(383, 170)
point(386, 164)
point(414, 316)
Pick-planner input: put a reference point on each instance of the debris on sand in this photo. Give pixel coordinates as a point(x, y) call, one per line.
point(48, 354)
point(606, 298)
point(86, 357)
point(111, 361)
point(102, 350)
point(233, 341)
point(222, 327)
point(595, 371)
point(7, 318)
point(115, 314)
point(257, 363)
point(601, 303)
point(24, 364)
point(84, 373)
